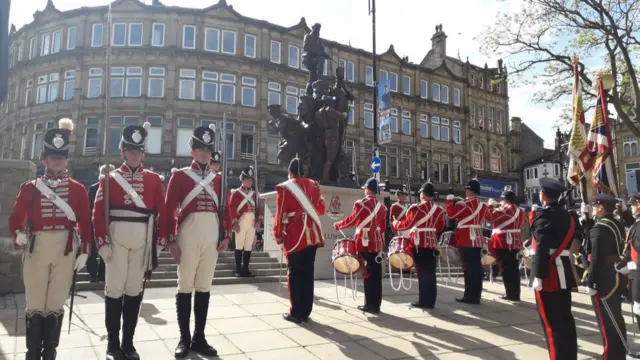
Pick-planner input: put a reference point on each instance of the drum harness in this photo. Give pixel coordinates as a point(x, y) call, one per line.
point(354, 285)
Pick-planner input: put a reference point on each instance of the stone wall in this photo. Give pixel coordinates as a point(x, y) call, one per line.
point(12, 174)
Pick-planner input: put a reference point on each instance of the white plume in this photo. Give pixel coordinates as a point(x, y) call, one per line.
point(65, 123)
point(146, 126)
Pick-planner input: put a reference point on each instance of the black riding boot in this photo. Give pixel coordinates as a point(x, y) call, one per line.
point(183, 310)
point(130, 312)
point(246, 258)
point(200, 309)
point(112, 314)
point(238, 254)
point(52, 327)
point(35, 333)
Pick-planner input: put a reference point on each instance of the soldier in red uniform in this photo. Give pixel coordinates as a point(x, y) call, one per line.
point(298, 230)
point(243, 220)
point(192, 223)
point(552, 278)
point(424, 221)
point(469, 214)
point(369, 217)
point(127, 242)
point(50, 220)
point(398, 210)
point(506, 239)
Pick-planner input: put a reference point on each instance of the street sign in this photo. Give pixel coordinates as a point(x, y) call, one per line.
point(375, 165)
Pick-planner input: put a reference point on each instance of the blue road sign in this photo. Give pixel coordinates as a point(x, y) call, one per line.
point(375, 165)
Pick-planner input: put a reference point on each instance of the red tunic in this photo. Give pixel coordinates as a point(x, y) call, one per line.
point(234, 211)
point(506, 236)
point(372, 232)
point(149, 187)
point(427, 232)
point(468, 226)
point(43, 215)
point(398, 211)
point(180, 186)
point(291, 224)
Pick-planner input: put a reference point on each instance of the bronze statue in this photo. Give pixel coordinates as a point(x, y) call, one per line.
point(314, 56)
point(292, 133)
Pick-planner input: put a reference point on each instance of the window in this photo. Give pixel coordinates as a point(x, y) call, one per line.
point(368, 78)
point(247, 132)
point(291, 105)
point(189, 37)
point(481, 82)
point(630, 146)
point(631, 166)
point(444, 129)
point(368, 115)
point(32, 48)
point(71, 38)
point(156, 82)
point(95, 83)
point(392, 162)
point(444, 94)
point(490, 119)
point(116, 125)
point(126, 82)
point(273, 140)
point(275, 52)
point(154, 139)
point(481, 117)
point(424, 86)
point(187, 84)
point(69, 85)
point(351, 117)
point(435, 168)
point(424, 126)
point(47, 88)
point(457, 133)
point(119, 35)
point(393, 81)
point(211, 39)
point(227, 88)
point(249, 91)
point(185, 130)
point(472, 114)
point(406, 122)
point(27, 93)
point(445, 170)
point(157, 35)
point(209, 88)
point(435, 92)
point(275, 90)
point(45, 44)
point(96, 35)
point(37, 140)
point(407, 162)
point(294, 56)
point(472, 79)
point(228, 42)
point(394, 120)
point(456, 96)
point(351, 71)
point(435, 128)
point(91, 136)
point(250, 46)
point(499, 121)
point(406, 84)
point(478, 161)
point(556, 170)
point(496, 160)
point(457, 170)
point(135, 34)
point(535, 173)
point(56, 42)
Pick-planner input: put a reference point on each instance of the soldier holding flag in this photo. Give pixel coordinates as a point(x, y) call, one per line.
point(127, 244)
point(51, 219)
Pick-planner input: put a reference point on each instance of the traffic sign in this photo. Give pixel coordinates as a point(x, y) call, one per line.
point(375, 165)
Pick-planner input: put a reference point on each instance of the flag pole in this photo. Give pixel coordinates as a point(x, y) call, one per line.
point(107, 134)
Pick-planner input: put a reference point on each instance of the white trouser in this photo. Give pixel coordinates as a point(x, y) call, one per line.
point(47, 272)
point(125, 270)
point(247, 233)
point(198, 241)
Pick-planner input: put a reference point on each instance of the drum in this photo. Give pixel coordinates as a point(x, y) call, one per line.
point(400, 253)
point(345, 257)
point(487, 253)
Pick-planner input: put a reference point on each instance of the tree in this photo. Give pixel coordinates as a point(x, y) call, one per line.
point(544, 35)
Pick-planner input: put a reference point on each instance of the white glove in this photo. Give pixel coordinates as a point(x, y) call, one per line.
point(636, 308)
point(81, 261)
point(537, 284)
point(451, 197)
point(585, 209)
point(492, 202)
point(534, 207)
point(21, 238)
point(105, 252)
point(589, 291)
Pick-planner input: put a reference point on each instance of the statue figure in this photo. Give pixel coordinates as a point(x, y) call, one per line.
point(314, 56)
point(292, 133)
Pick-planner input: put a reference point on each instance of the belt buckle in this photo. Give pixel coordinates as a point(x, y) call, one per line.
point(203, 183)
point(52, 196)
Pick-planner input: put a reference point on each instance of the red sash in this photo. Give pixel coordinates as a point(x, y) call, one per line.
point(551, 283)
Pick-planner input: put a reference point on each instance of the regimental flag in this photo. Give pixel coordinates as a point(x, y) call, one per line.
point(600, 146)
point(580, 159)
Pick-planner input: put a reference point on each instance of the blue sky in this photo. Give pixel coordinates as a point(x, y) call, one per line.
point(407, 24)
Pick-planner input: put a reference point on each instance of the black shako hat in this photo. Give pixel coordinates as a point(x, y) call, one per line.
point(428, 189)
point(247, 173)
point(473, 185)
point(403, 191)
point(371, 184)
point(56, 141)
point(215, 157)
point(634, 198)
point(552, 187)
point(604, 199)
point(296, 167)
point(134, 137)
point(203, 137)
point(508, 194)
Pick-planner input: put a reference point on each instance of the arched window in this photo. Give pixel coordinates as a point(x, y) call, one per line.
point(496, 160)
point(478, 159)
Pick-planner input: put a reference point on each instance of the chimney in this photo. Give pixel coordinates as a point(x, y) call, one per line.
point(516, 124)
point(439, 44)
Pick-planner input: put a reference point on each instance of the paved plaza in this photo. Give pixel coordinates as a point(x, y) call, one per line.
point(245, 323)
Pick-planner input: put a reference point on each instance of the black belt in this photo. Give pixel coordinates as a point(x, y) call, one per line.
point(132, 219)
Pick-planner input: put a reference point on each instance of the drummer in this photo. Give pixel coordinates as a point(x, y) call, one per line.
point(424, 222)
point(398, 210)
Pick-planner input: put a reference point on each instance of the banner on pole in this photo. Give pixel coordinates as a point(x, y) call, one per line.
point(384, 112)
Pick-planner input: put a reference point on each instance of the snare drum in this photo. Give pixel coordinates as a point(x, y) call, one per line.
point(345, 257)
point(400, 253)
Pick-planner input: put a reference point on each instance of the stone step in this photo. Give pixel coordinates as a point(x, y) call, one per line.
point(218, 274)
point(172, 267)
point(221, 255)
point(225, 260)
point(157, 283)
